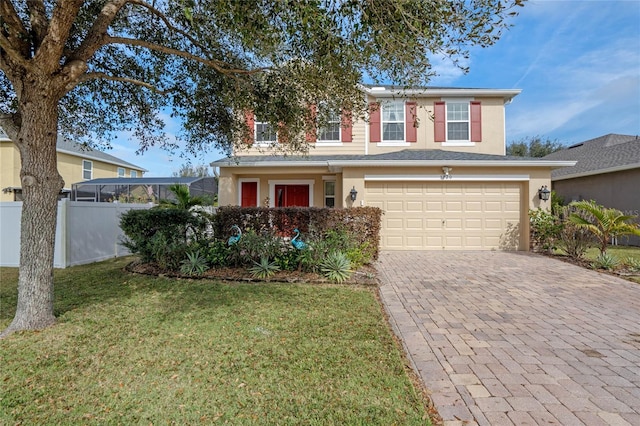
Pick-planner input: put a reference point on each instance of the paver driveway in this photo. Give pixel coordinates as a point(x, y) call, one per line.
point(505, 338)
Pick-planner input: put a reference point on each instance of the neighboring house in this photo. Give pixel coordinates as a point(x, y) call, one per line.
point(141, 190)
point(433, 159)
point(607, 171)
point(76, 163)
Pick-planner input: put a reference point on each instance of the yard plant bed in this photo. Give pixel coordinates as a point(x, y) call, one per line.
point(139, 349)
point(365, 275)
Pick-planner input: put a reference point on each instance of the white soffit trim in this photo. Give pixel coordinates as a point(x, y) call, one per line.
point(438, 163)
point(599, 172)
point(451, 178)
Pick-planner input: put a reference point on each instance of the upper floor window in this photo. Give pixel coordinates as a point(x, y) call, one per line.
point(87, 169)
point(134, 174)
point(458, 122)
point(264, 134)
point(331, 132)
point(120, 172)
point(393, 121)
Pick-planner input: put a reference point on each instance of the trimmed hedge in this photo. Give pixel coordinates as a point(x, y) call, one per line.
point(361, 223)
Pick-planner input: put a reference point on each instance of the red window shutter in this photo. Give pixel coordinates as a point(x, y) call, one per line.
point(476, 122)
point(347, 126)
point(312, 135)
point(411, 131)
point(250, 120)
point(440, 121)
point(374, 122)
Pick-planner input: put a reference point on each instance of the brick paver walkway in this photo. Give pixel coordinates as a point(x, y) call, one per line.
point(505, 338)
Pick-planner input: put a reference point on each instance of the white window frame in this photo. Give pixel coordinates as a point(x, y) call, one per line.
point(393, 142)
point(331, 142)
point(273, 183)
point(240, 182)
point(263, 143)
point(121, 172)
point(325, 180)
point(457, 142)
point(86, 169)
point(133, 173)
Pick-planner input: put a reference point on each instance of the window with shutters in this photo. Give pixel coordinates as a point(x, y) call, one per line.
point(457, 122)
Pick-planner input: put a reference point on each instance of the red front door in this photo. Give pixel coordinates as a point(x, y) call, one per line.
point(249, 194)
point(292, 195)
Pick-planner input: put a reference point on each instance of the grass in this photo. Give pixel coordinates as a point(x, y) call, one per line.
point(132, 349)
point(621, 252)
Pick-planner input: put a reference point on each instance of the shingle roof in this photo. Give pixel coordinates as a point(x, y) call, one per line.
point(65, 145)
point(407, 155)
point(605, 154)
point(142, 181)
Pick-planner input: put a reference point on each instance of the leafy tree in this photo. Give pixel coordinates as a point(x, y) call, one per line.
point(189, 170)
point(533, 147)
point(89, 69)
point(604, 223)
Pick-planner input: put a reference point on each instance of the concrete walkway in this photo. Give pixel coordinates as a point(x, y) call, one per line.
point(515, 338)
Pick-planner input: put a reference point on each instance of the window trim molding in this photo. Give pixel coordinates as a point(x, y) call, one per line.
point(393, 142)
point(457, 142)
point(262, 144)
point(90, 170)
point(124, 172)
point(326, 179)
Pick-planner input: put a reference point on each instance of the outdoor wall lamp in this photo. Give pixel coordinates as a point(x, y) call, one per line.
point(543, 193)
point(353, 193)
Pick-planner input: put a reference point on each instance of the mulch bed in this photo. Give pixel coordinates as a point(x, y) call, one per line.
point(365, 275)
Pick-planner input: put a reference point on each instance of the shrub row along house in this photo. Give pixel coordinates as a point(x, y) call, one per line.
point(433, 159)
point(76, 163)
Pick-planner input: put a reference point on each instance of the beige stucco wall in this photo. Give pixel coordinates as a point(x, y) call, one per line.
point(9, 168)
point(69, 167)
point(493, 133)
point(530, 179)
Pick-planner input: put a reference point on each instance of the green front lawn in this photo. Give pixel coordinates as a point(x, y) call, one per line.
point(621, 252)
point(131, 349)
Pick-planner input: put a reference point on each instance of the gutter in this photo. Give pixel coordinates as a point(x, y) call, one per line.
point(397, 163)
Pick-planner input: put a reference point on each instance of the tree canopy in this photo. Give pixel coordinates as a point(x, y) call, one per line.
point(534, 146)
point(91, 69)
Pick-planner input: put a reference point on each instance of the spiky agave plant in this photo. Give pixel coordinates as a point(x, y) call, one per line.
point(336, 267)
point(264, 269)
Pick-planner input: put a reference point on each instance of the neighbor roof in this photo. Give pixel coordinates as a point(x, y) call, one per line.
point(606, 154)
point(69, 147)
point(143, 181)
point(407, 157)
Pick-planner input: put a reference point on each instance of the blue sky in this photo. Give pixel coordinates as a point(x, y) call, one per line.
point(576, 61)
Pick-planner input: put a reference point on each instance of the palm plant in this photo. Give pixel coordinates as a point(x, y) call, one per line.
point(184, 200)
point(604, 223)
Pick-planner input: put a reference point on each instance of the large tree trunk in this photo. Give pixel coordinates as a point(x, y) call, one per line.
point(41, 184)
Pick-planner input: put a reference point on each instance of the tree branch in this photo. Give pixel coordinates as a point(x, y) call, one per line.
point(13, 54)
point(217, 65)
point(8, 124)
point(16, 33)
point(62, 19)
point(96, 35)
point(104, 76)
point(38, 20)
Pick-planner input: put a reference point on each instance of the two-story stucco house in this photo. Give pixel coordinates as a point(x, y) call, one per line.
point(433, 159)
point(76, 163)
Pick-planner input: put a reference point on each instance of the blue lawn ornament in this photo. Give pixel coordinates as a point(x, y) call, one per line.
point(235, 238)
point(299, 244)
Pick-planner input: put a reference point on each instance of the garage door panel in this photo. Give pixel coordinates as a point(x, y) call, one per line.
point(446, 215)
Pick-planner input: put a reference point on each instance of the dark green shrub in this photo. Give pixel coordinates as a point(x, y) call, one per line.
point(252, 246)
point(217, 253)
point(162, 235)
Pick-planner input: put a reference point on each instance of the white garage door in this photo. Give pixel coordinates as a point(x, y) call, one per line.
point(447, 215)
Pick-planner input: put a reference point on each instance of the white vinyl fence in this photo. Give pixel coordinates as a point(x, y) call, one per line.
point(85, 232)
